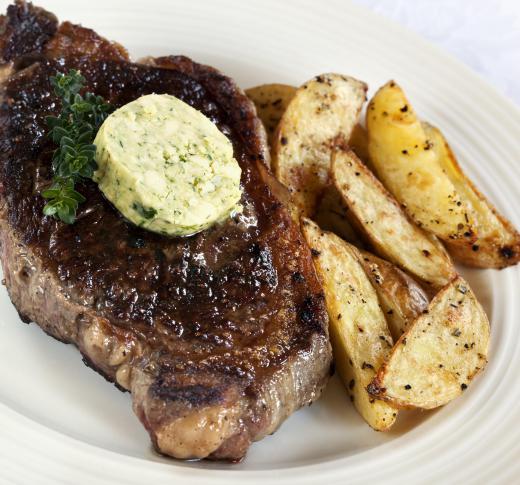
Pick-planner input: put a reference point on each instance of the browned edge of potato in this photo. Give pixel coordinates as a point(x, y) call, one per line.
point(402, 156)
point(498, 242)
point(438, 356)
point(400, 296)
point(332, 215)
point(359, 334)
point(322, 111)
point(378, 216)
point(271, 101)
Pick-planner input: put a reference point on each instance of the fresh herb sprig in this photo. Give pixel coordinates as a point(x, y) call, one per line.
point(73, 130)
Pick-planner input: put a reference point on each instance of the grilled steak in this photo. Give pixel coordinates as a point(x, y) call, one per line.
point(219, 336)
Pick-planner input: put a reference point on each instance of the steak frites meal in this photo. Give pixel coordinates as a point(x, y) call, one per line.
point(218, 253)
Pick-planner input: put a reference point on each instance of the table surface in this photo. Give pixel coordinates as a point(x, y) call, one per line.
point(484, 35)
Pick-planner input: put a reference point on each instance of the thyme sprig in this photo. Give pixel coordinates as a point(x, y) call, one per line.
point(73, 130)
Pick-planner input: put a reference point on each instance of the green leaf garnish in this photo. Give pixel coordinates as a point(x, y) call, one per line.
point(73, 131)
point(146, 212)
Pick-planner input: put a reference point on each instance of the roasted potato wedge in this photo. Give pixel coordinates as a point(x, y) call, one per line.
point(359, 333)
point(271, 101)
point(400, 296)
point(322, 111)
point(376, 214)
point(436, 358)
point(404, 161)
point(498, 242)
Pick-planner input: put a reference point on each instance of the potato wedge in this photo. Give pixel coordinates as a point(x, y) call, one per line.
point(322, 111)
point(359, 334)
point(401, 155)
point(271, 101)
point(400, 296)
point(498, 242)
point(437, 357)
point(376, 214)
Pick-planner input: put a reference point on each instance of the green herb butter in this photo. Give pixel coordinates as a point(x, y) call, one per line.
point(166, 167)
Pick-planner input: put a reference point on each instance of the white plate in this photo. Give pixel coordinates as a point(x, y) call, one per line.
point(61, 422)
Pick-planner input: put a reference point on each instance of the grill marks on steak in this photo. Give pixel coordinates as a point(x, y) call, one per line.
point(212, 329)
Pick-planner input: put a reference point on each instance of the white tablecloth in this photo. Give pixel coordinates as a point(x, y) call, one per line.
point(484, 34)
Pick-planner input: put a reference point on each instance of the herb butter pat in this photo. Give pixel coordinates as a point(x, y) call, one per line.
point(166, 167)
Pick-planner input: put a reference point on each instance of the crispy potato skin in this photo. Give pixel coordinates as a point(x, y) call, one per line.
point(377, 215)
point(441, 352)
point(323, 111)
point(498, 242)
point(403, 160)
point(271, 101)
point(400, 296)
point(358, 330)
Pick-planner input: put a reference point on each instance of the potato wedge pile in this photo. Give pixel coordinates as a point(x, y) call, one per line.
point(392, 206)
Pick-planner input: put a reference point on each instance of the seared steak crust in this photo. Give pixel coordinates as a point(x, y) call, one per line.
point(25, 29)
point(219, 336)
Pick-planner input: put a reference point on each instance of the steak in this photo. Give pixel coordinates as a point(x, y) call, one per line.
point(219, 336)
